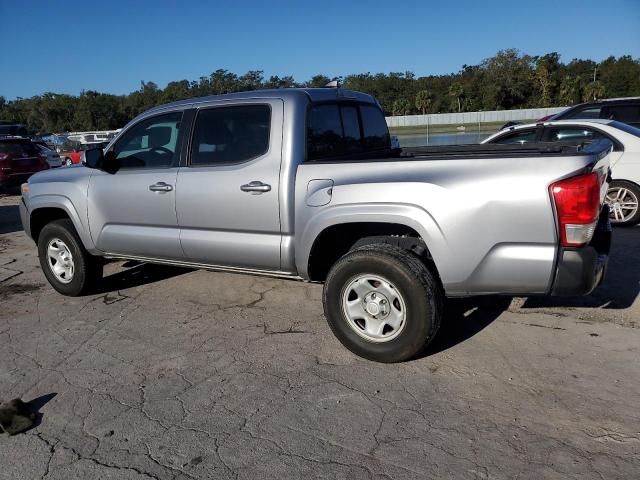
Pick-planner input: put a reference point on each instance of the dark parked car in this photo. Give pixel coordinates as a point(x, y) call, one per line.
point(19, 159)
point(626, 110)
point(12, 129)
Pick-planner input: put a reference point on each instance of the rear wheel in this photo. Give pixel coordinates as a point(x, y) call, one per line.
point(68, 267)
point(623, 200)
point(382, 303)
point(68, 162)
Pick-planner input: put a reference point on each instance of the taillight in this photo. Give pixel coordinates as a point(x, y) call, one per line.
point(577, 202)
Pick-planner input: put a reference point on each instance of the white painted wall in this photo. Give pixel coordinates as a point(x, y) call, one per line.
point(471, 117)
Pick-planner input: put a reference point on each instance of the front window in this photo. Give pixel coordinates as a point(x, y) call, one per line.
point(151, 143)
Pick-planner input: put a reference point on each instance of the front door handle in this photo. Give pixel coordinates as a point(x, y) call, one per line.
point(160, 187)
point(255, 187)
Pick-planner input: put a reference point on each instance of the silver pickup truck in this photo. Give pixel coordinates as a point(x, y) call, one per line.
point(305, 184)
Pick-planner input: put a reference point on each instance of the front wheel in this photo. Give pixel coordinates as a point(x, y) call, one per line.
point(68, 162)
point(622, 198)
point(382, 303)
point(68, 267)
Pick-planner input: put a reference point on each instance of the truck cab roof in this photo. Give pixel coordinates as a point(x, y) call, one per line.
point(291, 94)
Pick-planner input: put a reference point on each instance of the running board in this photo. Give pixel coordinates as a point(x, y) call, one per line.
point(202, 266)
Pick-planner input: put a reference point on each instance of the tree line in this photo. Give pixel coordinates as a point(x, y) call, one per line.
point(507, 80)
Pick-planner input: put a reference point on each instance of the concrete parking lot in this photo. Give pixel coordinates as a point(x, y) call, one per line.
point(172, 374)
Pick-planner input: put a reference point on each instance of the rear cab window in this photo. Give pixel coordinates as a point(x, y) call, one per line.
point(345, 130)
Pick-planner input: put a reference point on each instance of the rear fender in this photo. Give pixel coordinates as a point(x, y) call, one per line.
point(409, 215)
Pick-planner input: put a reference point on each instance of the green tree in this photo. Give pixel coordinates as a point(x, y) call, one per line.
point(546, 76)
point(401, 107)
point(457, 91)
point(318, 81)
point(593, 91)
point(570, 90)
point(423, 101)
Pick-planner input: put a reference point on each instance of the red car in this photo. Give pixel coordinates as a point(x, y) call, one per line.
point(71, 154)
point(19, 159)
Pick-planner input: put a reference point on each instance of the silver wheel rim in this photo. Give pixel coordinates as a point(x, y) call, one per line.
point(60, 260)
point(623, 204)
point(68, 162)
point(374, 309)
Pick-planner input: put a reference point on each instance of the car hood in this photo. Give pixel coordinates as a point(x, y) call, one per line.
point(73, 174)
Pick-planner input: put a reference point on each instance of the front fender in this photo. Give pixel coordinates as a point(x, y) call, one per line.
point(63, 203)
point(409, 215)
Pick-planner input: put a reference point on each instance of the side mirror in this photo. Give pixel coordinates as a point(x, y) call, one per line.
point(93, 158)
point(96, 158)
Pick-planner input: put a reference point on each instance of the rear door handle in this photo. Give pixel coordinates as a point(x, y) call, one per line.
point(255, 187)
point(160, 187)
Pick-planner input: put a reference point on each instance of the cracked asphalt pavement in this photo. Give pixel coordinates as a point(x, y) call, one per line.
point(176, 374)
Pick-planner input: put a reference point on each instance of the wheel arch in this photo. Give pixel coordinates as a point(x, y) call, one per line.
point(44, 209)
point(334, 231)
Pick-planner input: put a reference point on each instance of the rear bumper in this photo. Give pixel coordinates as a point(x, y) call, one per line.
point(581, 270)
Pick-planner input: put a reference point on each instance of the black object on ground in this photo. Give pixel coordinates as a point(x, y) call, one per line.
point(15, 417)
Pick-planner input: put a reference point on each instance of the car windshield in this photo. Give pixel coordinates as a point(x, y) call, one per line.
point(625, 127)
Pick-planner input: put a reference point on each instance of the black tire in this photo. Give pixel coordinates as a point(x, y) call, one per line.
point(421, 291)
point(87, 268)
point(634, 191)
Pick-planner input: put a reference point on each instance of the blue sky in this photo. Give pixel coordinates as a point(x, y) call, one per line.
point(66, 46)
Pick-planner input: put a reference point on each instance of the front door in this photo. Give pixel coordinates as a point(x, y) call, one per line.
point(227, 195)
point(132, 207)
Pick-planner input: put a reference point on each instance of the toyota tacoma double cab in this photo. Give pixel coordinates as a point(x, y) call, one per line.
point(305, 184)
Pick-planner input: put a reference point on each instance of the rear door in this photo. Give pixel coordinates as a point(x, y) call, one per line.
point(227, 198)
point(132, 208)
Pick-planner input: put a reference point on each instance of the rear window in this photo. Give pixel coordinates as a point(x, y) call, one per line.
point(12, 147)
point(568, 134)
point(12, 130)
point(584, 113)
point(622, 113)
point(339, 130)
point(230, 135)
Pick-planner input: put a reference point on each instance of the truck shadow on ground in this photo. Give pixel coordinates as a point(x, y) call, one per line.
point(137, 274)
point(465, 317)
